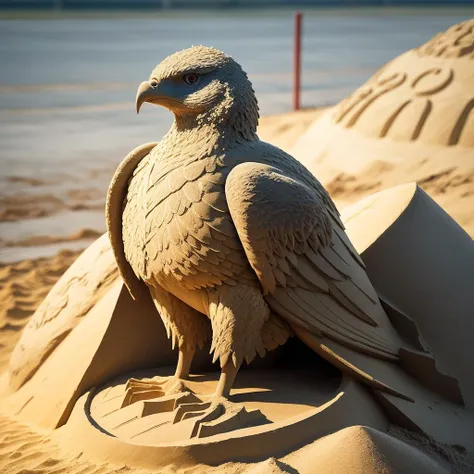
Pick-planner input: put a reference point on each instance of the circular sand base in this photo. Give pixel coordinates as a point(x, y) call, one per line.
point(150, 422)
point(298, 407)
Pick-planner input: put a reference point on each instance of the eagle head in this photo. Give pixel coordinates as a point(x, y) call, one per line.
point(200, 82)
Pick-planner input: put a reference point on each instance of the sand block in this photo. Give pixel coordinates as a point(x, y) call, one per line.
point(421, 262)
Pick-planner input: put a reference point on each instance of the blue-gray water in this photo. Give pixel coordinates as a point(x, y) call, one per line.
point(67, 86)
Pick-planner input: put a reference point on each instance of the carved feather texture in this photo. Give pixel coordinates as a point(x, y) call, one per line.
point(242, 232)
point(186, 328)
point(135, 211)
point(304, 260)
point(237, 315)
point(188, 228)
point(116, 202)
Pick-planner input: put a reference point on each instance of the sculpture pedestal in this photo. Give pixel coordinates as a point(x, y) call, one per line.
point(300, 405)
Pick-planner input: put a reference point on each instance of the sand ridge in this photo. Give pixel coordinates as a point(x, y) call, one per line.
point(449, 182)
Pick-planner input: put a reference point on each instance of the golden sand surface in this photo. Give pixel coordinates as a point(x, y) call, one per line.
point(449, 182)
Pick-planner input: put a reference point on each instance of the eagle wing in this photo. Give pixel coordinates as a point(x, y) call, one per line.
point(116, 197)
point(310, 273)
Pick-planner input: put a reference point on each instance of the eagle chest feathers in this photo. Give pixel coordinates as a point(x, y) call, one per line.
point(177, 227)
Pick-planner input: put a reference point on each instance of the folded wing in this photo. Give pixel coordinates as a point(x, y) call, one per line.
point(309, 271)
point(116, 196)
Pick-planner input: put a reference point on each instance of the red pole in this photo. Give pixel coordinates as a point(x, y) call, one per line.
point(297, 61)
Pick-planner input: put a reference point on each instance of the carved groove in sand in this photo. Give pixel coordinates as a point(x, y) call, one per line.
point(456, 42)
point(357, 103)
point(400, 104)
point(162, 421)
point(415, 107)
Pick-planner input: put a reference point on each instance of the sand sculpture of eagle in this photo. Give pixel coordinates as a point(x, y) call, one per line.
point(237, 241)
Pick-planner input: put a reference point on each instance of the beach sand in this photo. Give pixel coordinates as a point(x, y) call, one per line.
point(24, 284)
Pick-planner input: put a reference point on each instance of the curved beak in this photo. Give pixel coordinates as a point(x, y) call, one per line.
point(145, 92)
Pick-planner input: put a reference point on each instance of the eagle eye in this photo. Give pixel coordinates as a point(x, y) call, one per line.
point(191, 78)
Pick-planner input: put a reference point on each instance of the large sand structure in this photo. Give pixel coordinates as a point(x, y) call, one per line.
point(323, 405)
point(413, 120)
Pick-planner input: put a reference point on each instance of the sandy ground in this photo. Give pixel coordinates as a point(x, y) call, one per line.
point(24, 284)
point(449, 182)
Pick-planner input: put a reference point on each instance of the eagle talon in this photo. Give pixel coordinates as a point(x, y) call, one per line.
point(223, 416)
point(190, 410)
point(143, 384)
point(141, 390)
point(185, 398)
point(217, 416)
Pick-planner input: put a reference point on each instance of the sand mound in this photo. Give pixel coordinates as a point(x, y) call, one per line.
point(458, 459)
point(270, 466)
point(361, 450)
point(77, 291)
point(284, 130)
point(355, 450)
point(450, 182)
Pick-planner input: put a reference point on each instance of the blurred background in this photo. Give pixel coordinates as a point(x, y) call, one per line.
point(69, 70)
